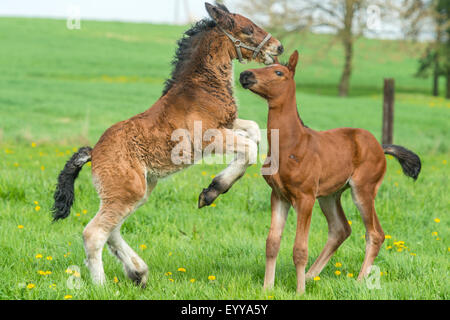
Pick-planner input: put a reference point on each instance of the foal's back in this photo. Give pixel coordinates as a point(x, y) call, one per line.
point(343, 152)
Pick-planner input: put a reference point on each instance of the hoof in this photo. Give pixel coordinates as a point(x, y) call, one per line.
point(139, 278)
point(207, 197)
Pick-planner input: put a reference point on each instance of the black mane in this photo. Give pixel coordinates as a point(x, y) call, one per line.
point(184, 50)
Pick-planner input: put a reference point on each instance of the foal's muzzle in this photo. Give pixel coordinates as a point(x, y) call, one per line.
point(247, 79)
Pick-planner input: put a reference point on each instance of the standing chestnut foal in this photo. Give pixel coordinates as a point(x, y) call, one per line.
point(133, 154)
point(319, 165)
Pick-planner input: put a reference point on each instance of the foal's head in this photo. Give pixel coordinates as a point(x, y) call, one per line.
point(272, 82)
point(246, 36)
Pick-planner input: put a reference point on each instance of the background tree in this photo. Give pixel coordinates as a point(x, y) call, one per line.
point(434, 16)
point(346, 19)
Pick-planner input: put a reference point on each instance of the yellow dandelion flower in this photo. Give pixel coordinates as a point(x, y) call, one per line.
point(388, 247)
point(255, 175)
point(67, 297)
point(42, 273)
point(337, 272)
point(171, 280)
point(77, 214)
point(270, 297)
point(387, 237)
point(31, 286)
point(316, 278)
point(437, 220)
point(192, 280)
point(143, 246)
point(338, 265)
point(48, 272)
point(213, 205)
point(170, 254)
point(438, 239)
point(76, 274)
point(168, 273)
point(399, 249)
point(181, 270)
point(84, 211)
point(42, 168)
point(33, 144)
point(36, 203)
point(38, 256)
point(69, 271)
point(49, 258)
point(413, 254)
point(350, 275)
point(16, 164)
point(203, 173)
point(444, 161)
point(396, 184)
point(434, 234)
point(20, 226)
point(212, 278)
point(116, 280)
point(37, 208)
point(350, 222)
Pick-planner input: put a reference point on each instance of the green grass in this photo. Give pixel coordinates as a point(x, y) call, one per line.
point(61, 89)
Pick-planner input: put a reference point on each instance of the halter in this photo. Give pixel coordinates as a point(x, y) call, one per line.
point(238, 44)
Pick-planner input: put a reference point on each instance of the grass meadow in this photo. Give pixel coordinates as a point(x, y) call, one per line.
point(61, 89)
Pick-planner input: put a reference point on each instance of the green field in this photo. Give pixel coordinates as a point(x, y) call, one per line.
point(60, 89)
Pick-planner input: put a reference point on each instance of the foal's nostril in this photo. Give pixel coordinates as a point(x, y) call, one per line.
point(280, 49)
point(247, 79)
point(245, 76)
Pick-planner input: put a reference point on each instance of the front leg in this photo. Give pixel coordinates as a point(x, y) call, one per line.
point(246, 154)
point(251, 128)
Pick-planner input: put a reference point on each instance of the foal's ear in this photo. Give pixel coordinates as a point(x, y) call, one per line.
point(220, 16)
point(293, 60)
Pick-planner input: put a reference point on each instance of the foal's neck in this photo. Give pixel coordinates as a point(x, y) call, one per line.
point(283, 115)
point(211, 64)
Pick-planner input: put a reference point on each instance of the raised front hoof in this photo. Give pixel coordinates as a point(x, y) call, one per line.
point(207, 197)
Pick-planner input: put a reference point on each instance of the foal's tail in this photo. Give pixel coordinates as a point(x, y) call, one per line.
point(64, 194)
point(409, 161)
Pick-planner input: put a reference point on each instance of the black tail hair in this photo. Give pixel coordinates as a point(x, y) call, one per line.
point(409, 161)
point(64, 193)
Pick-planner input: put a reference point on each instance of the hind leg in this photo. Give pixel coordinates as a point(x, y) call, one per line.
point(364, 199)
point(95, 235)
point(121, 191)
point(338, 231)
point(135, 268)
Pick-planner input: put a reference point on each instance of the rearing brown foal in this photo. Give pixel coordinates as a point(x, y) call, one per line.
point(132, 155)
point(319, 165)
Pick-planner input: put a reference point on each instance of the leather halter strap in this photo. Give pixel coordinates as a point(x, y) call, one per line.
point(239, 44)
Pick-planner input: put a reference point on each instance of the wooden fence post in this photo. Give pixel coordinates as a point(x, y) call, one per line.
point(388, 111)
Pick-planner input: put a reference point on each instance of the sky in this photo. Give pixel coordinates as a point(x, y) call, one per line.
point(150, 11)
point(153, 11)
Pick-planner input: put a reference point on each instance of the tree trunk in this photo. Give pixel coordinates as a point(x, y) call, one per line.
point(344, 85)
point(347, 40)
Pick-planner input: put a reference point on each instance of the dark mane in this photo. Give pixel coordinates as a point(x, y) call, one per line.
point(184, 51)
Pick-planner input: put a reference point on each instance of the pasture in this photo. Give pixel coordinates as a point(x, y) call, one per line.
point(60, 89)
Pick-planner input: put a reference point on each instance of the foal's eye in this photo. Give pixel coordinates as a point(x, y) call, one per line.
point(247, 31)
point(279, 73)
